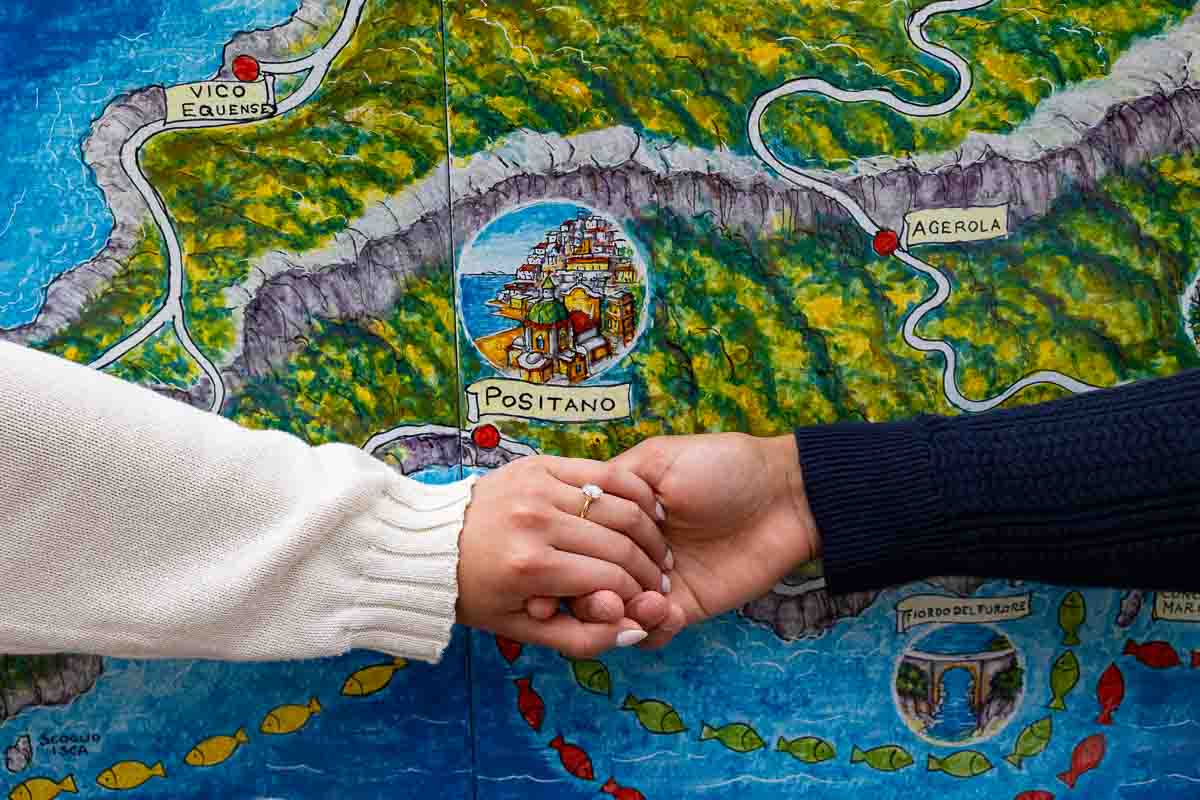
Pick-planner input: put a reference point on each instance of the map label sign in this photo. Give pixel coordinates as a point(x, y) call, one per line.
point(946, 225)
point(1176, 606)
point(503, 397)
point(219, 101)
point(923, 609)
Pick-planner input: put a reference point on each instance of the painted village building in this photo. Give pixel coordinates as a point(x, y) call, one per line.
point(556, 341)
point(572, 296)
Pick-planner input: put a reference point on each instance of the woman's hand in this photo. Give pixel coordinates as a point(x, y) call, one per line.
point(524, 538)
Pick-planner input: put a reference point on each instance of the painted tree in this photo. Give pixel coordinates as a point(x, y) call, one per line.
point(1007, 685)
point(912, 682)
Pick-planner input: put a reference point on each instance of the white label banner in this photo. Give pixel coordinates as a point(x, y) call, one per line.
point(503, 397)
point(1177, 606)
point(946, 225)
point(923, 609)
point(219, 101)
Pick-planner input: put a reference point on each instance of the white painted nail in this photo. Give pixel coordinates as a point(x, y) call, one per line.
point(630, 638)
point(660, 513)
point(666, 585)
point(669, 563)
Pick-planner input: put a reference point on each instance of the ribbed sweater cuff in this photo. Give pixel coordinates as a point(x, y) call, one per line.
point(401, 588)
point(874, 498)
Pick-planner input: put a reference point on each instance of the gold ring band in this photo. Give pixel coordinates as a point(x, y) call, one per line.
point(591, 493)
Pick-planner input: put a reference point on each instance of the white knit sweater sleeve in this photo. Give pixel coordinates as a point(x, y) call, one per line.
point(132, 525)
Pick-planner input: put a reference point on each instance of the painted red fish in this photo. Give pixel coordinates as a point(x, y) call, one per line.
point(1087, 756)
point(574, 759)
point(508, 648)
point(1034, 794)
point(1157, 655)
point(621, 792)
point(530, 703)
point(1110, 691)
point(1196, 659)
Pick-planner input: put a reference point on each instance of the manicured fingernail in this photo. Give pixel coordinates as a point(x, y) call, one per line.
point(666, 585)
point(630, 638)
point(660, 513)
point(669, 563)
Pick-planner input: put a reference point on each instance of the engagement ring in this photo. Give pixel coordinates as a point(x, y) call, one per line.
point(591, 493)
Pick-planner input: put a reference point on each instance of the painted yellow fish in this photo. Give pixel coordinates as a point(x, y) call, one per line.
point(887, 758)
point(289, 719)
point(370, 680)
point(1072, 613)
point(1031, 742)
point(963, 764)
point(1063, 677)
point(129, 775)
point(43, 789)
point(215, 749)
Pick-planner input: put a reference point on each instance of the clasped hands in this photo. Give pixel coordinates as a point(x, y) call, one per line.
point(688, 527)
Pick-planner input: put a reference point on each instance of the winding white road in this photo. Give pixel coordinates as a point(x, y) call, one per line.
point(411, 431)
point(916, 34)
point(172, 311)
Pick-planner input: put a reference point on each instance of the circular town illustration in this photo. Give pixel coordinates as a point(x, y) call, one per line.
point(552, 292)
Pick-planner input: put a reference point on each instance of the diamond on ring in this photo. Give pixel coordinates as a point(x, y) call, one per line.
point(591, 493)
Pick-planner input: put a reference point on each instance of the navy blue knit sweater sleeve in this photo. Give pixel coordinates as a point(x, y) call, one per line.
point(1100, 489)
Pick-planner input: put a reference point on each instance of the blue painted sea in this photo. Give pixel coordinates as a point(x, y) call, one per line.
point(480, 318)
point(408, 741)
point(61, 63)
point(838, 687)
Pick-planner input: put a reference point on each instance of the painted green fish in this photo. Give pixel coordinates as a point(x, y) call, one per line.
point(888, 758)
point(655, 715)
point(1071, 614)
point(1063, 677)
point(963, 764)
point(808, 749)
point(592, 675)
point(1031, 742)
point(737, 736)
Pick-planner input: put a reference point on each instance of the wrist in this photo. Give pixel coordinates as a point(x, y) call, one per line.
point(789, 501)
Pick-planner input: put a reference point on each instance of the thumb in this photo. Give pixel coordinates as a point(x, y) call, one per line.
point(651, 459)
point(572, 637)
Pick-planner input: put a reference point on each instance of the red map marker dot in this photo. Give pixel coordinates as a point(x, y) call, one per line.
point(245, 68)
point(887, 242)
point(486, 437)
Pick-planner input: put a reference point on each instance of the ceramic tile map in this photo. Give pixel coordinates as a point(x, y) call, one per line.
point(456, 234)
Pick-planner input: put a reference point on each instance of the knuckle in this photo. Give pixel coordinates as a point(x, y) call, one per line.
point(525, 564)
point(609, 475)
point(528, 516)
point(542, 491)
point(531, 464)
point(650, 451)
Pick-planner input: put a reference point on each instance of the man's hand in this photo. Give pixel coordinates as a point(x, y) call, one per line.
point(737, 518)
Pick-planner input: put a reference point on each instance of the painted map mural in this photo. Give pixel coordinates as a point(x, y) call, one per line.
point(460, 233)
